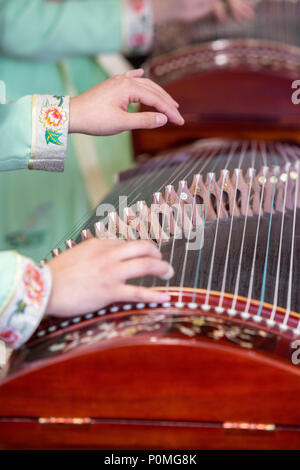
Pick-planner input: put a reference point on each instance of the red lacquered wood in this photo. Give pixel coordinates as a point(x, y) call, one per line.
point(156, 378)
point(136, 435)
point(231, 89)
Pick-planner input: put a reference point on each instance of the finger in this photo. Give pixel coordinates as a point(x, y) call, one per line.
point(137, 249)
point(197, 10)
point(241, 10)
point(151, 98)
point(136, 73)
point(131, 121)
point(152, 85)
point(220, 12)
point(140, 267)
point(127, 293)
point(111, 243)
point(161, 96)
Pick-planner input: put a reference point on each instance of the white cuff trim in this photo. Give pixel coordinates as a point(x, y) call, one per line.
point(138, 27)
point(50, 126)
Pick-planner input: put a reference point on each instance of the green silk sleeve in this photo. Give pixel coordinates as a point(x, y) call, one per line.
point(37, 29)
point(15, 134)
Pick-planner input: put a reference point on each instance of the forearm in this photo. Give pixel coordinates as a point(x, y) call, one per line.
point(24, 295)
point(62, 29)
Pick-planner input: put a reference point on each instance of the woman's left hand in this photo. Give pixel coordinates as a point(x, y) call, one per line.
point(103, 110)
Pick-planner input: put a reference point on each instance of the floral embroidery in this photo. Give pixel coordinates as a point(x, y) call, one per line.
point(24, 311)
point(137, 5)
point(60, 100)
point(53, 117)
point(50, 116)
point(9, 337)
point(20, 307)
point(138, 26)
point(34, 284)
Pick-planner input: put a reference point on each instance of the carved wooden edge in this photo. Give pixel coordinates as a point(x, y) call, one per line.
point(225, 53)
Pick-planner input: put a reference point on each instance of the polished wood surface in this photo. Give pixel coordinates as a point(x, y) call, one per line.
point(230, 89)
point(155, 381)
point(176, 376)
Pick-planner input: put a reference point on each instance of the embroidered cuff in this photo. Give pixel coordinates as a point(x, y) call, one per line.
point(23, 311)
point(50, 125)
point(138, 26)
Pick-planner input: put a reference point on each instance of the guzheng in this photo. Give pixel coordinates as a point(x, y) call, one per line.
point(227, 88)
point(274, 20)
point(218, 366)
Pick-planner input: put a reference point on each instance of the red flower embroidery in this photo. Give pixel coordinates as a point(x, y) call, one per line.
point(9, 337)
point(138, 40)
point(137, 5)
point(34, 284)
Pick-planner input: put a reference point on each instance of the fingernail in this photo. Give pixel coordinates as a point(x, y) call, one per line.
point(161, 120)
point(161, 298)
point(169, 274)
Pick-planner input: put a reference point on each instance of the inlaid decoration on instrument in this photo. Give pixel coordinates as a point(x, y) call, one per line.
point(152, 326)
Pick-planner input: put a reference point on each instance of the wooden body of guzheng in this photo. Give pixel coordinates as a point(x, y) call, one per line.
point(227, 88)
point(218, 366)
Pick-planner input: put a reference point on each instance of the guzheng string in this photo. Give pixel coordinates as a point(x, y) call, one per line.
point(217, 224)
point(262, 298)
point(245, 251)
point(231, 228)
point(234, 145)
point(236, 291)
point(288, 308)
point(274, 19)
point(205, 164)
point(200, 250)
point(276, 290)
point(206, 160)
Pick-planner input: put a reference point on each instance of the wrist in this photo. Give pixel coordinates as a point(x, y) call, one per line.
point(72, 117)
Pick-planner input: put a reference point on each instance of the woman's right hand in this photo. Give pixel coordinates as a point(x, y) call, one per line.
point(93, 275)
point(239, 10)
point(165, 11)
